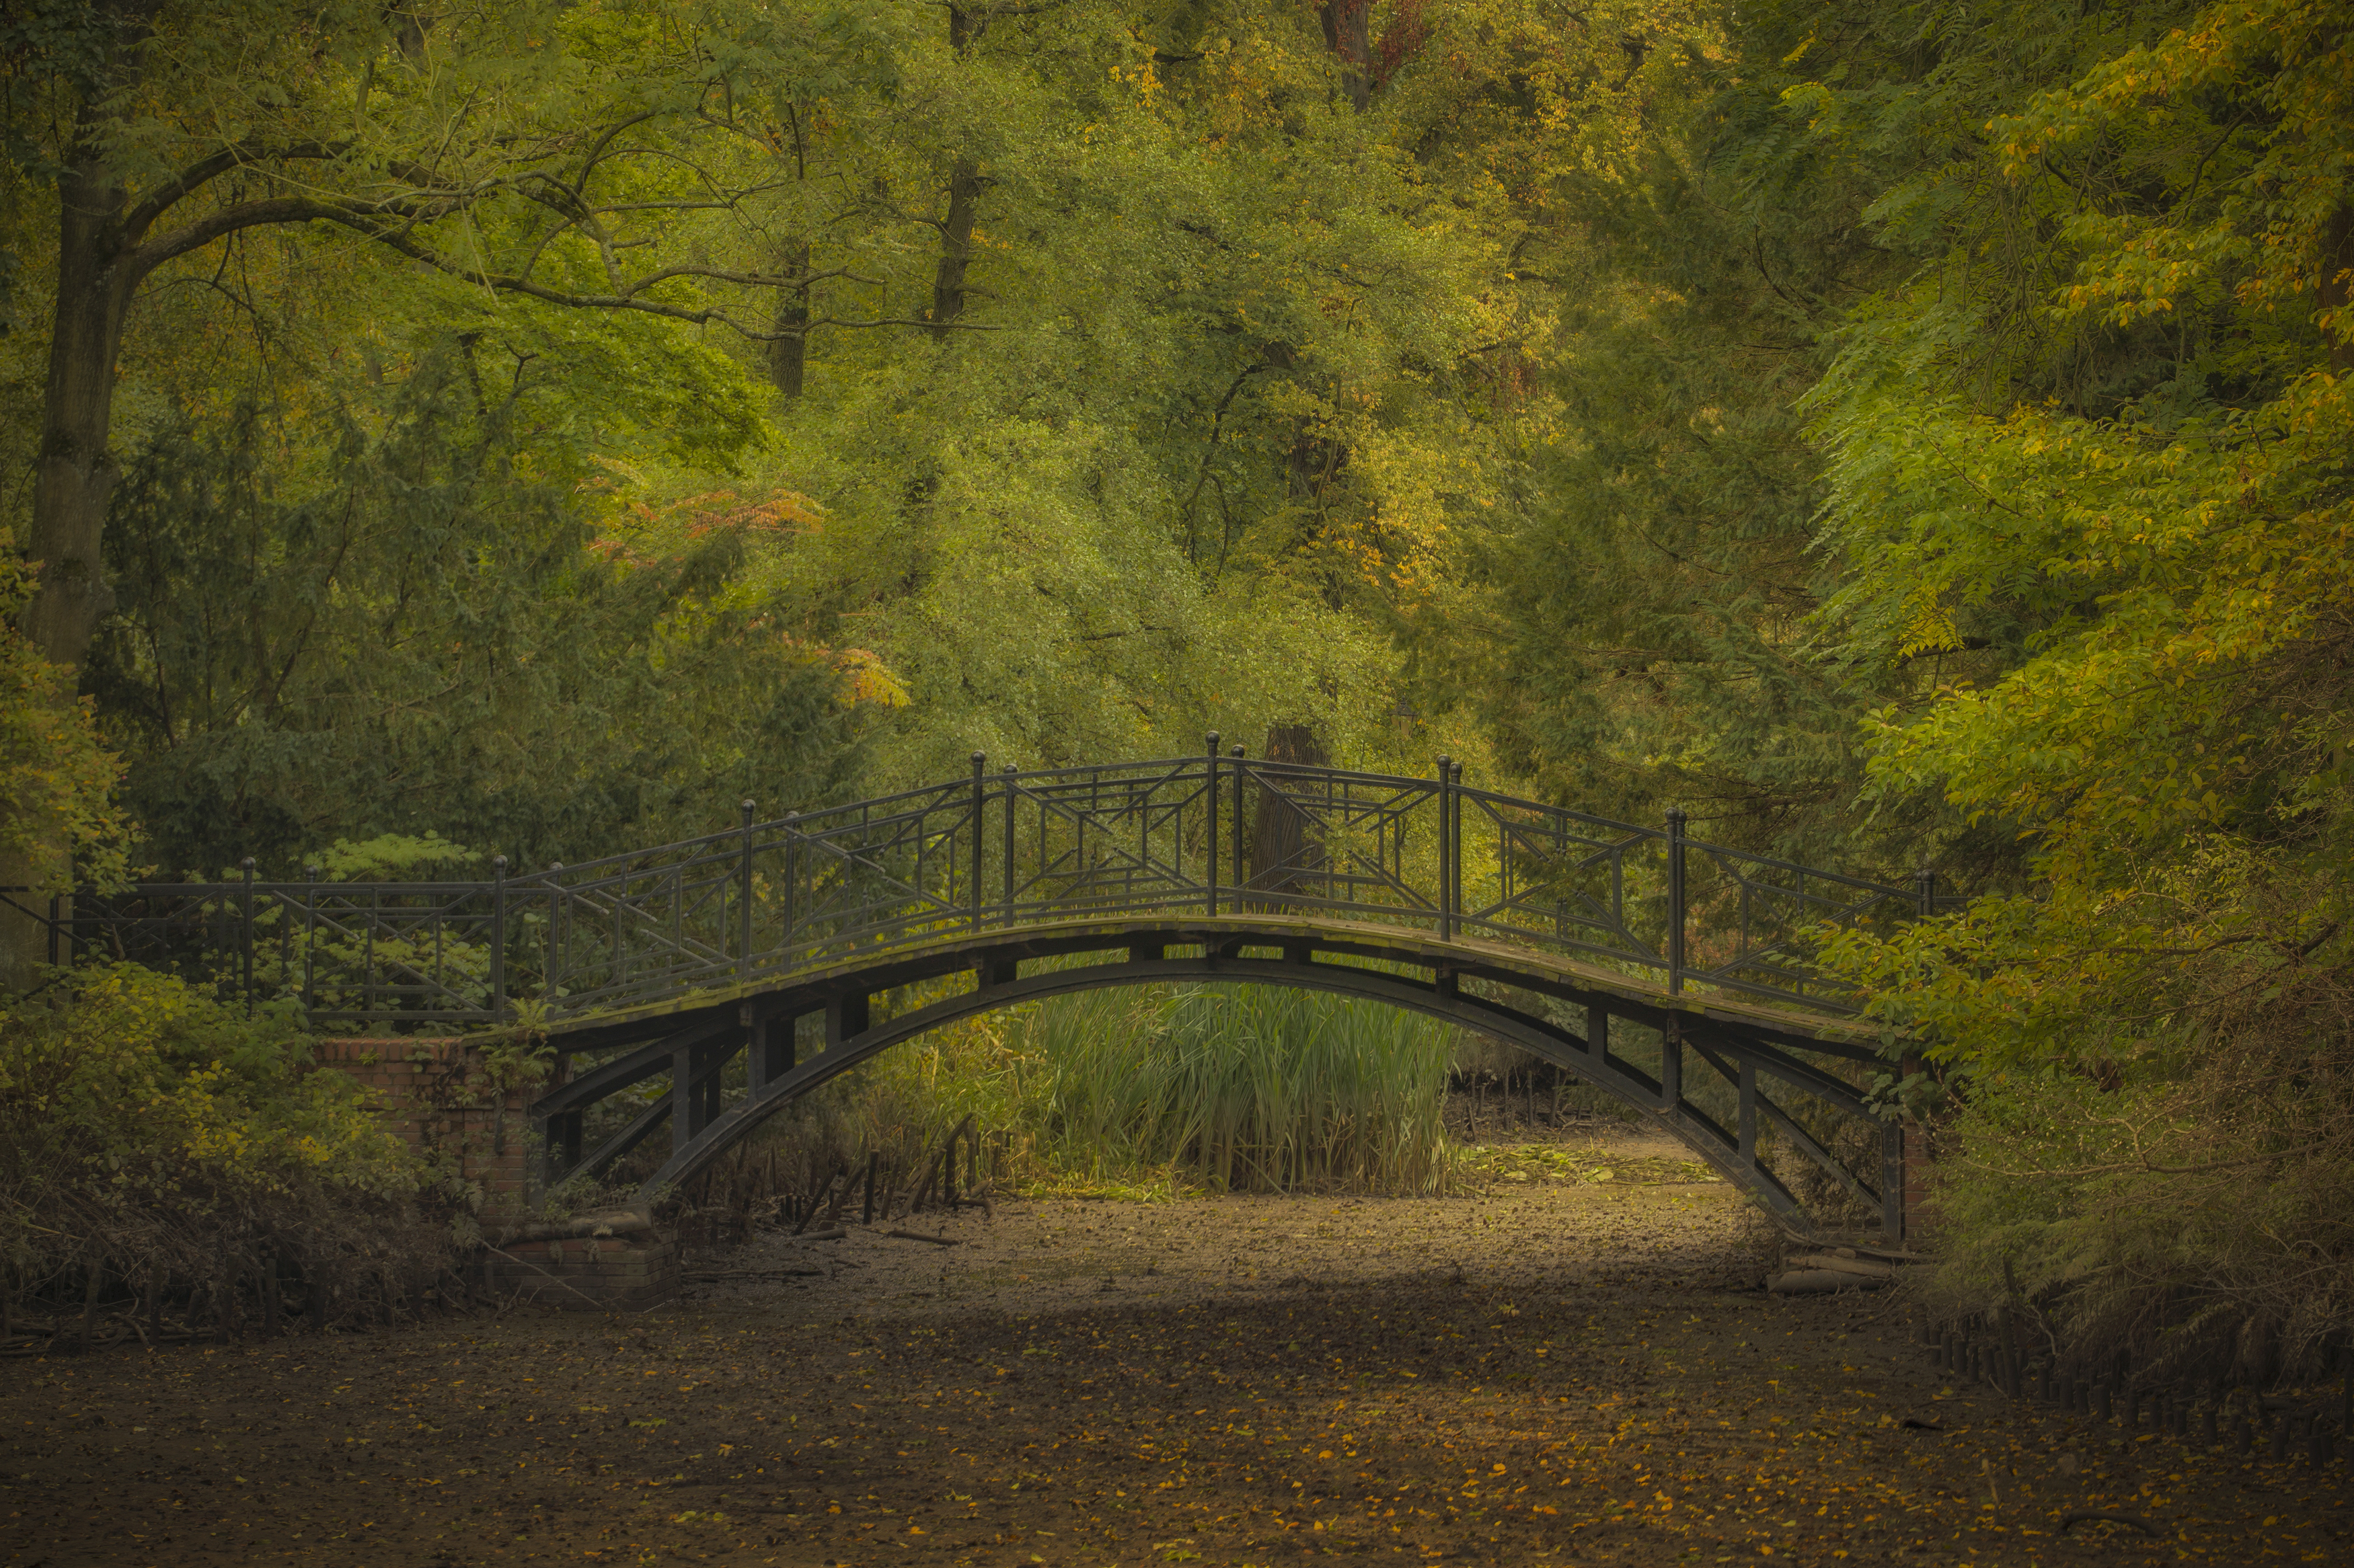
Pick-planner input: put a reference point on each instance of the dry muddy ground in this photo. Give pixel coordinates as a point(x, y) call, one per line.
point(1569, 1369)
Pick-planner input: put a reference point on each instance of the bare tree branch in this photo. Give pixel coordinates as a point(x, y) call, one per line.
point(144, 214)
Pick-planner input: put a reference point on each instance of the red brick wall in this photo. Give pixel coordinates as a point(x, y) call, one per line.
point(437, 1094)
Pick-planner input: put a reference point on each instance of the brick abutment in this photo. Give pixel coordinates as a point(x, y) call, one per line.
point(446, 1100)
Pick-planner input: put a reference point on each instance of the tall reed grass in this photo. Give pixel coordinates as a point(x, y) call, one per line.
point(1230, 1087)
point(1256, 1088)
point(1147, 1090)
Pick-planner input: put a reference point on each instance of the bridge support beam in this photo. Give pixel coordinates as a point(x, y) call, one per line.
point(845, 1019)
point(1892, 1181)
point(1672, 1065)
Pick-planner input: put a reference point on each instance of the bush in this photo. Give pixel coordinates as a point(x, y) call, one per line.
point(2191, 1205)
point(55, 774)
point(157, 1144)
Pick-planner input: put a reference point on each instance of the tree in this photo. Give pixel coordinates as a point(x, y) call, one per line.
point(1628, 617)
point(1114, 471)
point(2102, 427)
point(408, 634)
point(530, 150)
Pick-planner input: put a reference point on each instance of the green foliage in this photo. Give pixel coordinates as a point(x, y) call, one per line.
point(1149, 1090)
point(1902, 435)
point(2088, 462)
point(1952, 413)
point(418, 637)
point(2189, 1203)
point(1241, 1088)
point(164, 1138)
point(2164, 553)
point(396, 857)
point(1537, 1163)
point(1630, 622)
point(56, 775)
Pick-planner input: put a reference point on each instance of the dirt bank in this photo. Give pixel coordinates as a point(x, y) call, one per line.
point(1566, 1370)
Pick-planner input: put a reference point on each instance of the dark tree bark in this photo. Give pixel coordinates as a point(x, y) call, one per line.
point(2338, 280)
point(1286, 856)
point(789, 351)
point(99, 270)
point(1315, 462)
point(74, 472)
point(956, 247)
point(964, 191)
point(1347, 25)
point(1312, 462)
point(110, 238)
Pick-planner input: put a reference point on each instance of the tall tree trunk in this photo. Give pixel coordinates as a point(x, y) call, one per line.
point(1347, 33)
point(1314, 461)
point(75, 470)
point(74, 475)
point(788, 354)
point(956, 247)
point(2338, 281)
point(956, 229)
point(1285, 853)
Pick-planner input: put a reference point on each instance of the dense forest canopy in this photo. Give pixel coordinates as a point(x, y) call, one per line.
point(1905, 435)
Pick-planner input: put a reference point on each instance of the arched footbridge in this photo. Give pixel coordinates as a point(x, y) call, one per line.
point(696, 988)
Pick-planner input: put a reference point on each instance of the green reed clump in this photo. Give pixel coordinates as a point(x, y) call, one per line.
point(1235, 1088)
point(1243, 1087)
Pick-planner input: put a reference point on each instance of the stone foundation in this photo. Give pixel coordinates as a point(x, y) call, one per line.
point(585, 1273)
point(438, 1095)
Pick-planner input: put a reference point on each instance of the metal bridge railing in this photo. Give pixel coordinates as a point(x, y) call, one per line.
point(1216, 834)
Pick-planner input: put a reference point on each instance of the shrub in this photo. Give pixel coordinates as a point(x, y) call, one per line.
point(2191, 1204)
point(158, 1143)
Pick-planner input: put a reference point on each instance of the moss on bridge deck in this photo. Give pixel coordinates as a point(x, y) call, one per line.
point(1369, 940)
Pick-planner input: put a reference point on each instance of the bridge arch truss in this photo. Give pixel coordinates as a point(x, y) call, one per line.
point(1785, 1084)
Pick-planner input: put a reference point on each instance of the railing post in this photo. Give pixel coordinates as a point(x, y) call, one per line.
point(558, 946)
point(1675, 899)
point(686, 1102)
point(1745, 1111)
point(1210, 840)
point(979, 838)
point(1454, 855)
point(1446, 848)
point(285, 940)
point(1925, 892)
point(56, 902)
point(792, 873)
point(1011, 773)
point(498, 938)
point(310, 934)
point(1671, 1064)
point(743, 898)
point(1891, 1179)
point(1237, 867)
point(246, 965)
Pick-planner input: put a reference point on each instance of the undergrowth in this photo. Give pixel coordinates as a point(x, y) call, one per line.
point(2188, 1207)
point(162, 1151)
